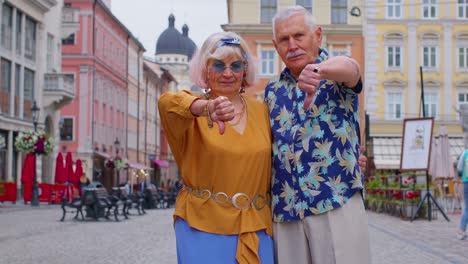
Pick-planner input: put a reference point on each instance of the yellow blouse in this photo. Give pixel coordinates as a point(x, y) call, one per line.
point(230, 163)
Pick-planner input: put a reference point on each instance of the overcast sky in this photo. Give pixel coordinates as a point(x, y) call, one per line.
point(147, 19)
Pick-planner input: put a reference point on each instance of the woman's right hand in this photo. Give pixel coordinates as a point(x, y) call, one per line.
point(221, 111)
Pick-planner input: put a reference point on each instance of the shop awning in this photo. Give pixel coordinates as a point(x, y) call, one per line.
point(387, 151)
point(161, 163)
point(138, 166)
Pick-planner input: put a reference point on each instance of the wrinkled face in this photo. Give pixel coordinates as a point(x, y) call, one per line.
point(225, 76)
point(296, 43)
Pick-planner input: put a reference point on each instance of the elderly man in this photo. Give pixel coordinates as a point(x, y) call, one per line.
point(318, 211)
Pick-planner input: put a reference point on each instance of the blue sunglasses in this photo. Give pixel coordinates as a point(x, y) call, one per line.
point(236, 67)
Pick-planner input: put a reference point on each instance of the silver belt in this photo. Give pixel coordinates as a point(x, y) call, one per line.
point(258, 202)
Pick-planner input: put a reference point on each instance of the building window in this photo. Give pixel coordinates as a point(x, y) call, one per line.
point(340, 52)
point(430, 104)
point(462, 7)
point(429, 9)
point(7, 21)
point(394, 110)
point(104, 45)
point(394, 51)
point(19, 30)
point(267, 62)
point(50, 53)
point(66, 129)
point(30, 39)
point(430, 42)
point(393, 8)
point(267, 10)
point(17, 90)
point(5, 88)
point(70, 40)
point(339, 12)
point(462, 58)
point(28, 93)
point(307, 4)
point(429, 57)
point(393, 57)
point(462, 100)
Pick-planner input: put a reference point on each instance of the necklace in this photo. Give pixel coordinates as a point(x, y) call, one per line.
point(241, 112)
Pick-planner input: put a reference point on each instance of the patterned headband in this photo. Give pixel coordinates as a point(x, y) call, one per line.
point(233, 42)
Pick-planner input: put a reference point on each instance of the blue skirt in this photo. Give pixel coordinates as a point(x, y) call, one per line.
point(195, 246)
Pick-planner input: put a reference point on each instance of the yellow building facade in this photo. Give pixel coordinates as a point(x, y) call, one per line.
point(413, 46)
point(342, 33)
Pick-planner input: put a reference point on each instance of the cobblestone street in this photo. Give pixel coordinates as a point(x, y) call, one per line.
point(35, 236)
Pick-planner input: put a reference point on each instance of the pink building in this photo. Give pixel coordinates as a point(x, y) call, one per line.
point(96, 52)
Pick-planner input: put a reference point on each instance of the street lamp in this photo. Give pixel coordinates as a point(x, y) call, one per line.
point(116, 146)
point(35, 192)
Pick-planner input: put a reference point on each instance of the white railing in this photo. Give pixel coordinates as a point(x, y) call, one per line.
point(70, 15)
point(60, 82)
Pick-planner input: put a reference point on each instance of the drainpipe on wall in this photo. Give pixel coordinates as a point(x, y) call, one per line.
point(93, 86)
point(138, 108)
point(146, 117)
point(126, 105)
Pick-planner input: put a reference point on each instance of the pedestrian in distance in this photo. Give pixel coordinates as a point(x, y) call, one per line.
point(83, 183)
point(462, 171)
point(318, 210)
point(222, 146)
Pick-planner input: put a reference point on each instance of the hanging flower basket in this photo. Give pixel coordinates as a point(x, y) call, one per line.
point(38, 143)
point(117, 163)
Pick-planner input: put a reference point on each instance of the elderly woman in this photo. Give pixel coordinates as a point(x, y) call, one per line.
point(222, 145)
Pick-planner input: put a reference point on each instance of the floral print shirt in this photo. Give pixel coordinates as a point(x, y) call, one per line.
point(315, 150)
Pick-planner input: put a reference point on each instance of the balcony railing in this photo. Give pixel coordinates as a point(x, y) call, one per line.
point(58, 88)
point(70, 15)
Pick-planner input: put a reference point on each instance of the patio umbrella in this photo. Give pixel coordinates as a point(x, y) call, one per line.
point(70, 175)
point(27, 175)
point(432, 163)
point(78, 172)
point(60, 176)
point(69, 168)
point(441, 161)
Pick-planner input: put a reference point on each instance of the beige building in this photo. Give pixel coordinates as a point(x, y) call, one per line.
point(136, 108)
point(342, 32)
point(156, 149)
point(402, 37)
point(31, 71)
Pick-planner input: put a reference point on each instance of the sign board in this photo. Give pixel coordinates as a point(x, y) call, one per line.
point(416, 144)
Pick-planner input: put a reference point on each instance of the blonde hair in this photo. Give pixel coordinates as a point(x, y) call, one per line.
point(212, 49)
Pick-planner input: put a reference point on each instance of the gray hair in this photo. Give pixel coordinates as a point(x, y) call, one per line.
point(291, 11)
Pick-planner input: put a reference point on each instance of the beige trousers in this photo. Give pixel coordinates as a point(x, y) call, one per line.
point(336, 237)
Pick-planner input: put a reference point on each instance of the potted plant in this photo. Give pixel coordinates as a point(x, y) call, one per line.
point(39, 143)
point(412, 199)
point(117, 163)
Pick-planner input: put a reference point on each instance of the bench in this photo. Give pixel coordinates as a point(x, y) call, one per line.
point(100, 204)
point(129, 201)
point(137, 201)
point(76, 203)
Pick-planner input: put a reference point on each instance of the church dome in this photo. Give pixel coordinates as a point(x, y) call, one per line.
point(189, 44)
point(171, 41)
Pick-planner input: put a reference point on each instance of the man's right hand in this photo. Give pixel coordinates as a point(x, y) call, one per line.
point(309, 81)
